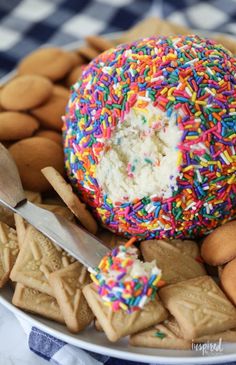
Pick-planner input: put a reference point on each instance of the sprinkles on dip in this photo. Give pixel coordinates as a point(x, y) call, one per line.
point(123, 281)
point(150, 135)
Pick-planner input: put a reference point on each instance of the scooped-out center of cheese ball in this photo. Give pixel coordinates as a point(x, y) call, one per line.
point(140, 158)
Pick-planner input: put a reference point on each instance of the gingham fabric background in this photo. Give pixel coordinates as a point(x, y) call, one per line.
point(27, 24)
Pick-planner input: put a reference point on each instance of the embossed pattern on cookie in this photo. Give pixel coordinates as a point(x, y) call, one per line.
point(34, 301)
point(8, 251)
point(174, 265)
point(38, 257)
point(199, 306)
point(119, 324)
point(67, 284)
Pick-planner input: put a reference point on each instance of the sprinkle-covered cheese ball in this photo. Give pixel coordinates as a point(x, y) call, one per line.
point(150, 134)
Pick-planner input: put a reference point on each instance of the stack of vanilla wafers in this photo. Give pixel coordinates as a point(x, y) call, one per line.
point(46, 280)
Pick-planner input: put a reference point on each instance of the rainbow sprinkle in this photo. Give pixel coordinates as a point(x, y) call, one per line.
point(118, 284)
point(188, 74)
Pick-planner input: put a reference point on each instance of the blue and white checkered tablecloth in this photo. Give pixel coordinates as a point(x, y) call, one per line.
point(27, 24)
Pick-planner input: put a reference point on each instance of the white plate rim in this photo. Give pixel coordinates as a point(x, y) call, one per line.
point(122, 354)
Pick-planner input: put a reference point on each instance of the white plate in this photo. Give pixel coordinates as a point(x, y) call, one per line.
point(95, 341)
point(92, 340)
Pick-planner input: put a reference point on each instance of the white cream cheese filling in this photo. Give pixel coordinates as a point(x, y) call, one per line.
point(140, 158)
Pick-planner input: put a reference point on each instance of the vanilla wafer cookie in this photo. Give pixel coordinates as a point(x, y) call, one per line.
point(119, 324)
point(51, 62)
point(65, 191)
point(32, 300)
point(67, 285)
point(199, 306)
point(8, 251)
point(38, 257)
point(99, 43)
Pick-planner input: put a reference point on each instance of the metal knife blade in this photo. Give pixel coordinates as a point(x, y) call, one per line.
point(85, 247)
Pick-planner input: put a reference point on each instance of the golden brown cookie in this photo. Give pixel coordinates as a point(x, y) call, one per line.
point(8, 251)
point(187, 247)
point(21, 225)
point(219, 246)
point(33, 196)
point(199, 306)
point(88, 52)
point(1, 108)
point(67, 285)
point(99, 43)
point(15, 125)
point(50, 114)
point(74, 76)
point(66, 193)
point(53, 135)
point(119, 324)
point(38, 257)
point(159, 337)
point(174, 265)
point(220, 270)
point(26, 92)
point(33, 154)
point(228, 42)
point(32, 300)
point(61, 91)
point(76, 59)
point(51, 62)
point(153, 26)
point(225, 336)
point(228, 280)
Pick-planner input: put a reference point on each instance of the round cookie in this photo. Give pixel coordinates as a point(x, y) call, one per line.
point(219, 246)
point(15, 125)
point(33, 154)
point(50, 62)
point(74, 75)
point(50, 114)
point(61, 91)
point(1, 108)
point(26, 92)
point(149, 137)
point(53, 135)
point(87, 52)
point(76, 59)
point(99, 43)
point(228, 280)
